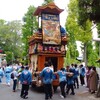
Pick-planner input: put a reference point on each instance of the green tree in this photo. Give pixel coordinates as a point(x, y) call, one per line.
point(97, 43)
point(47, 1)
point(10, 39)
point(80, 32)
point(29, 27)
point(71, 28)
point(91, 54)
point(89, 9)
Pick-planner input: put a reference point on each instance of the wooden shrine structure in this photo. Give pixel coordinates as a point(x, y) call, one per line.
point(47, 43)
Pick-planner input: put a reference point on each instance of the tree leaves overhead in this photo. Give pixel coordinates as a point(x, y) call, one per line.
point(80, 32)
point(82, 11)
point(30, 23)
point(47, 1)
point(89, 9)
point(10, 38)
point(29, 27)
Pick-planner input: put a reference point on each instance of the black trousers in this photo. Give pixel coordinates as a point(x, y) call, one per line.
point(62, 87)
point(14, 84)
point(48, 91)
point(82, 80)
point(76, 82)
point(70, 87)
point(24, 90)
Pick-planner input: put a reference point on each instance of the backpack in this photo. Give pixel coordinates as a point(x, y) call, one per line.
point(12, 75)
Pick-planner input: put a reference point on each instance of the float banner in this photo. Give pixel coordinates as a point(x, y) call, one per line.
point(51, 29)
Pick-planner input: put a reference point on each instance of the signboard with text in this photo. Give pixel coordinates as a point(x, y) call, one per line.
point(51, 29)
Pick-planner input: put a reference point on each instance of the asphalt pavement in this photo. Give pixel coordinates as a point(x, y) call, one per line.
point(80, 94)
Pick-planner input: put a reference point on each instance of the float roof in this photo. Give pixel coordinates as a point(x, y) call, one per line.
point(50, 8)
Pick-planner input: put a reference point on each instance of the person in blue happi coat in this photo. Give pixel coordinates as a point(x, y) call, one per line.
point(8, 69)
point(47, 76)
point(62, 80)
point(26, 79)
point(70, 83)
point(82, 74)
point(1, 74)
point(72, 68)
point(76, 74)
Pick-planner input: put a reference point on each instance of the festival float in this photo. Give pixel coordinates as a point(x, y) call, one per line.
point(48, 43)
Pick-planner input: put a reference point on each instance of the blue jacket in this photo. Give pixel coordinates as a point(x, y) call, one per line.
point(82, 71)
point(8, 69)
point(1, 73)
point(62, 75)
point(70, 80)
point(26, 76)
point(47, 75)
point(72, 69)
point(76, 73)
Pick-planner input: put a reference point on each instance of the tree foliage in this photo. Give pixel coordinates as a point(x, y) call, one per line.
point(89, 9)
point(81, 33)
point(29, 27)
point(97, 44)
point(91, 54)
point(47, 1)
point(78, 32)
point(71, 28)
point(10, 39)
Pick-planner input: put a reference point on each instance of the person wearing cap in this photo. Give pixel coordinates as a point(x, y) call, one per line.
point(26, 79)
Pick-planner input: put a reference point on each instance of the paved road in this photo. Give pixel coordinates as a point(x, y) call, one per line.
point(7, 94)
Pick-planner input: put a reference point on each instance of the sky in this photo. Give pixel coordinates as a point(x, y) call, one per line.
point(15, 9)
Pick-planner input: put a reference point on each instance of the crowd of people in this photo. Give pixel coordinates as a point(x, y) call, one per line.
point(92, 79)
point(20, 75)
point(70, 78)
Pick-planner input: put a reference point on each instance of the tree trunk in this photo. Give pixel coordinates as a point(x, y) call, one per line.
point(85, 55)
